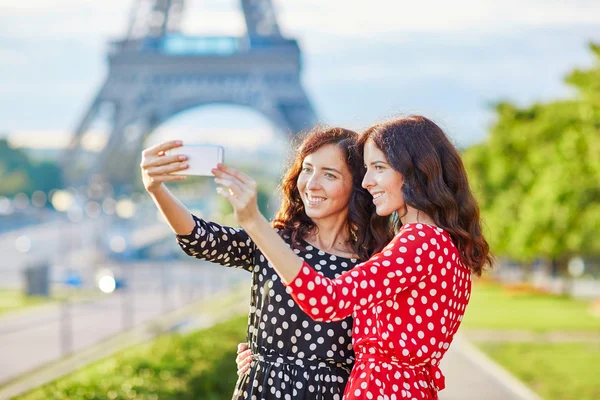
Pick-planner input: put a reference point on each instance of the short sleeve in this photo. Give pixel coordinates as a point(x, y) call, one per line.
point(230, 247)
point(407, 260)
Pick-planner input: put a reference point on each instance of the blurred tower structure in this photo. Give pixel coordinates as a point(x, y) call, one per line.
point(156, 72)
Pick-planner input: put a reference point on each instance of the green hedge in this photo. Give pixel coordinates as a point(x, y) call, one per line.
point(200, 365)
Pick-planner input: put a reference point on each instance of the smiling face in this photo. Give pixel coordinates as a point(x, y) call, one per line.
point(382, 181)
point(325, 184)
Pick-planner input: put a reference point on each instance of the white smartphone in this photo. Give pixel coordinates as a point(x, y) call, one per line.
point(201, 158)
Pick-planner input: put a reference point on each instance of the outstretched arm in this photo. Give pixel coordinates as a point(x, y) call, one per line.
point(156, 167)
point(403, 264)
point(397, 268)
point(240, 190)
point(198, 238)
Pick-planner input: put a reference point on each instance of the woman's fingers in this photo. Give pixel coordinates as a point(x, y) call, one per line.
point(223, 170)
point(167, 169)
point(237, 174)
point(235, 202)
point(168, 178)
point(230, 179)
point(240, 191)
point(160, 161)
point(243, 370)
point(227, 176)
point(243, 361)
point(233, 187)
point(242, 347)
point(155, 150)
point(243, 357)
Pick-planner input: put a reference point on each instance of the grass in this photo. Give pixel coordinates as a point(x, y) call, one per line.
point(494, 307)
point(13, 300)
point(199, 365)
point(555, 371)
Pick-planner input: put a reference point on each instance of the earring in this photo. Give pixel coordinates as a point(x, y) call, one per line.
point(353, 230)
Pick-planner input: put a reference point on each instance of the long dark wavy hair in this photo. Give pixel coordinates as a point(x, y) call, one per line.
point(435, 181)
point(367, 235)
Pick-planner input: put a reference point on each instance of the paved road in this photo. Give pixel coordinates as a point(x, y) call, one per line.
point(64, 244)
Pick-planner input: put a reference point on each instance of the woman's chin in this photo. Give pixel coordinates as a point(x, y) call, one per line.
point(313, 214)
point(383, 211)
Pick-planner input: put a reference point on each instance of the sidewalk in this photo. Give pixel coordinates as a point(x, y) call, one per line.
point(471, 375)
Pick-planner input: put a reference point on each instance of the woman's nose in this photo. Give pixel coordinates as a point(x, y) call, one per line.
point(313, 183)
point(367, 181)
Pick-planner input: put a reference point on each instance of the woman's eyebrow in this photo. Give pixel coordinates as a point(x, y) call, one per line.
point(377, 162)
point(331, 169)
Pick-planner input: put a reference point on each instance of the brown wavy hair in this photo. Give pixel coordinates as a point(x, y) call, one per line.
point(435, 181)
point(367, 235)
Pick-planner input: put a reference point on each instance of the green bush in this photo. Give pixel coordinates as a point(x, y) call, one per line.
point(200, 365)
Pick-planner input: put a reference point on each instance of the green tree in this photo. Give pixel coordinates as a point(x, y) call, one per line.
point(13, 170)
point(537, 176)
point(20, 174)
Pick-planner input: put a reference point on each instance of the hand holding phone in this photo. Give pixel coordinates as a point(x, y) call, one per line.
point(201, 158)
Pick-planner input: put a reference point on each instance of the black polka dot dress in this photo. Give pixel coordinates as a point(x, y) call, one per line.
point(294, 356)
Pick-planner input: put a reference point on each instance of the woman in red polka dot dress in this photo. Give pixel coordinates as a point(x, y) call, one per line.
point(408, 300)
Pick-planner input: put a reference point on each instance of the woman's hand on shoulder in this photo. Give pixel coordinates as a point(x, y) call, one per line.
point(157, 167)
point(243, 359)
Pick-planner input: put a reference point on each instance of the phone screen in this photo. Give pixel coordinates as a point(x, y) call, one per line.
point(201, 158)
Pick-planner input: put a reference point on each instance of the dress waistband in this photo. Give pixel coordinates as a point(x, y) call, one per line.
point(435, 373)
point(301, 362)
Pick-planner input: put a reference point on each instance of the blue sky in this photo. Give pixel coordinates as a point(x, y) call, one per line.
point(362, 63)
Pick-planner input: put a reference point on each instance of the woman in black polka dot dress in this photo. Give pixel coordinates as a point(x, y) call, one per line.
point(294, 357)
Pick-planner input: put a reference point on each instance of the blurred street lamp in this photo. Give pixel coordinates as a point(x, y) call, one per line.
point(107, 284)
point(125, 208)
point(62, 200)
point(106, 280)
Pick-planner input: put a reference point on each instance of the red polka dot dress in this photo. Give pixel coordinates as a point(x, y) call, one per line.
point(407, 302)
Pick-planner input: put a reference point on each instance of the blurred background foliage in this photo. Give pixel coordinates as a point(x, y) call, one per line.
point(537, 176)
point(20, 173)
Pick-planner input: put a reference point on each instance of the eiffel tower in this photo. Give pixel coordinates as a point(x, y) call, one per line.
point(156, 72)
